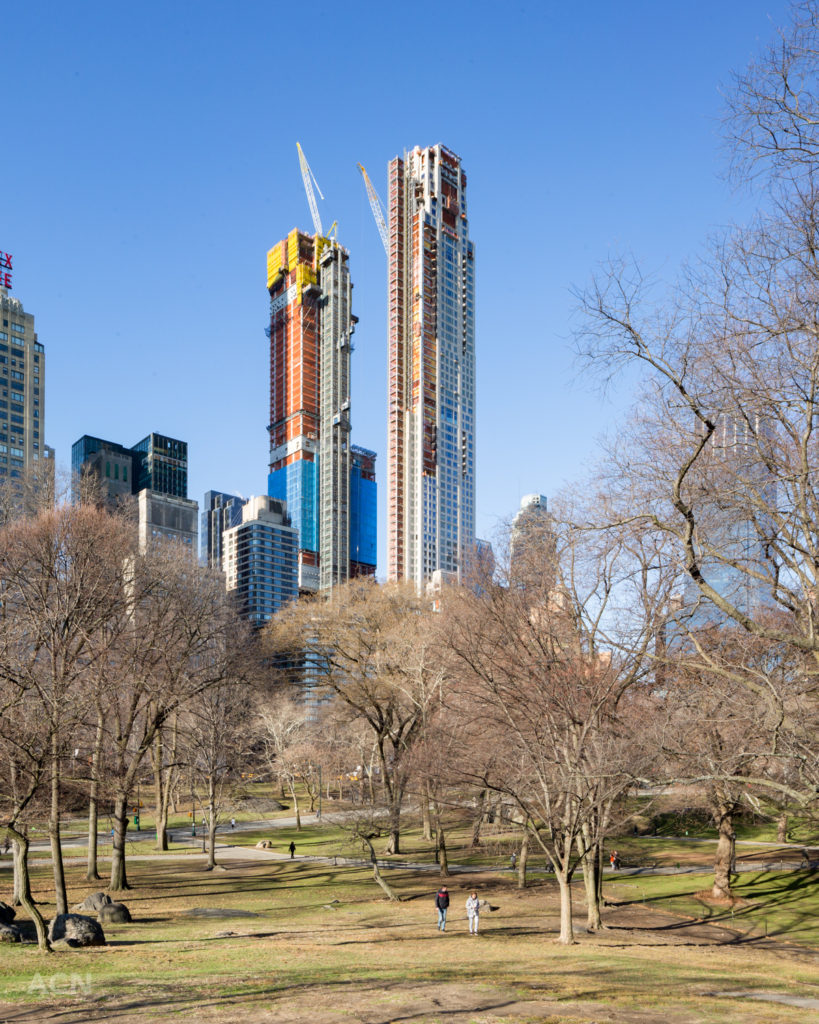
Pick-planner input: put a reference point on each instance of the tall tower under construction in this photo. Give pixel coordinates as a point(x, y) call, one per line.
point(311, 327)
point(431, 429)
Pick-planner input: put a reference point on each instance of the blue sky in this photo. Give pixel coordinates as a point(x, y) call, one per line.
point(150, 162)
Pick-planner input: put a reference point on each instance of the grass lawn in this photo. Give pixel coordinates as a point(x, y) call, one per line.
point(781, 905)
point(318, 943)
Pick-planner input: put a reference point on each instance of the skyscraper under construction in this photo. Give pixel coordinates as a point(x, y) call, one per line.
point(431, 440)
point(311, 327)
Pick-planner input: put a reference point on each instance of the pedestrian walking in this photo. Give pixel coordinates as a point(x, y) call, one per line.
point(292, 850)
point(442, 904)
point(513, 861)
point(233, 823)
point(473, 912)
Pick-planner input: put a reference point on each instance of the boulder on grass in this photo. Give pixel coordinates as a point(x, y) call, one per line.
point(76, 928)
point(7, 913)
point(91, 904)
point(115, 913)
point(10, 933)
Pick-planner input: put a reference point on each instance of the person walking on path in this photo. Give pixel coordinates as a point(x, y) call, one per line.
point(292, 850)
point(233, 823)
point(442, 903)
point(473, 912)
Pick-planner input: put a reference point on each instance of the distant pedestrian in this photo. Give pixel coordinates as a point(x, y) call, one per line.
point(233, 823)
point(112, 833)
point(292, 850)
point(614, 860)
point(473, 912)
point(513, 861)
point(442, 904)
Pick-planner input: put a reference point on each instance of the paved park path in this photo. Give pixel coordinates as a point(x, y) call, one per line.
point(226, 851)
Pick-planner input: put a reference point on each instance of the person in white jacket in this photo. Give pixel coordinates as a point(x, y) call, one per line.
point(473, 912)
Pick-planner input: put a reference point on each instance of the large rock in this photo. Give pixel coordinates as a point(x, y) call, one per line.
point(76, 928)
point(91, 904)
point(7, 913)
point(115, 913)
point(10, 933)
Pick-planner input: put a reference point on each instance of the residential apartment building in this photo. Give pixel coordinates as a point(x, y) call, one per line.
point(260, 559)
point(431, 414)
point(22, 389)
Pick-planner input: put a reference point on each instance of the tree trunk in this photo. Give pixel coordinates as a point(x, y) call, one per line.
point(480, 812)
point(119, 878)
point(16, 900)
point(211, 824)
point(782, 828)
point(379, 878)
point(523, 858)
point(20, 842)
point(442, 857)
point(394, 842)
point(162, 817)
point(724, 860)
point(566, 936)
point(160, 794)
point(60, 895)
point(295, 799)
point(92, 870)
point(591, 881)
point(426, 819)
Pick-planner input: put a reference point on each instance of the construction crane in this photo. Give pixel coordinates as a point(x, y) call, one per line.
point(377, 207)
point(309, 179)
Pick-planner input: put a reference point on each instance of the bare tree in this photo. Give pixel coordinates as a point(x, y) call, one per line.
point(721, 458)
point(183, 638)
point(371, 646)
point(286, 728)
point(61, 576)
point(544, 697)
point(215, 737)
point(772, 116)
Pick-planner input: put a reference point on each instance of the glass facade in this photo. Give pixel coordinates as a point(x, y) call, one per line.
point(162, 465)
point(220, 512)
point(363, 512)
point(156, 463)
point(296, 485)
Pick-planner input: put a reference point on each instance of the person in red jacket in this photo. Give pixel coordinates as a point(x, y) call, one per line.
point(442, 902)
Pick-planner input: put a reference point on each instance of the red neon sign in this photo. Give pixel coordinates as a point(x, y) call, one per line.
point(5, 270)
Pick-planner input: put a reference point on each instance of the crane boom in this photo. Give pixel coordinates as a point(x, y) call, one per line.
point(309, 179)
point(377, 208)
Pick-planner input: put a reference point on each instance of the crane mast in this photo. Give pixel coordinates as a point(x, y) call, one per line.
point(378, 209)
point(309, 179)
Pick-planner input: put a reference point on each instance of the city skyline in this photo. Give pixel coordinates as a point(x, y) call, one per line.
point(138, 237)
